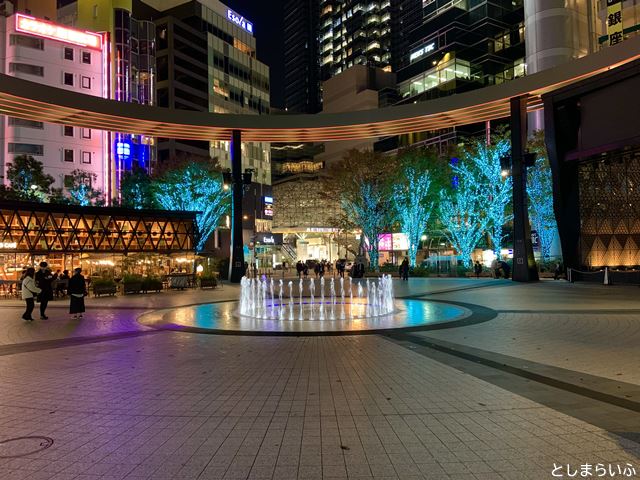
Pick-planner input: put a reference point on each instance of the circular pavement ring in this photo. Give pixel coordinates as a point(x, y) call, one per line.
point(23, 446)
point(185, 319)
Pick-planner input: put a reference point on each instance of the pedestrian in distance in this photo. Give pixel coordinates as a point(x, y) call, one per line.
point(44, 281)
point(299, 268)
point(506, 269)
point(477, 269)
point(29, 291)
point(557, 271)
point(404, 269)
point(495, 268)
point(77, 292)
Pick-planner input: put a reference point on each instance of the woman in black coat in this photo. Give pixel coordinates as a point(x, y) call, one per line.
point(77, 291)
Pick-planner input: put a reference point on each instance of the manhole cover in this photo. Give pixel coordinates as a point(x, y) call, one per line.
point(22, 446)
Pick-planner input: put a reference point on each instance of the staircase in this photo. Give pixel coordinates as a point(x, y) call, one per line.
point(290, 253)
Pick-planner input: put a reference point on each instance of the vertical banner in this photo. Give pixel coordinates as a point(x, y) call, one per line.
point(614, 21)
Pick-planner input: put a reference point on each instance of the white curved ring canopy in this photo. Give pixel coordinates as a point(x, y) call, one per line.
point(33, 101)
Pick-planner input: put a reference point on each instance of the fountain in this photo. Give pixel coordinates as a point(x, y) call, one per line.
point(260, 298)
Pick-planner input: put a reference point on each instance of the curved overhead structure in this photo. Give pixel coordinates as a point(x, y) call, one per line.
point(28, 100)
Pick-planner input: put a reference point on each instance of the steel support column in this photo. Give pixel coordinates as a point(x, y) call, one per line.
point(236, 261)
point(524, 265)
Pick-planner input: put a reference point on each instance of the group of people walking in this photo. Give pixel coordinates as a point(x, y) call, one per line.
point(40, 286)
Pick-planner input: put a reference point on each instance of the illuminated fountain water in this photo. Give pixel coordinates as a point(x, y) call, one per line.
point(265, 299)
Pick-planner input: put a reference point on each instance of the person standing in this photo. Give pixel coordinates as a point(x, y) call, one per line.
point(477, 269)
point(44, 281)
point(557, 271)
point(77, 292)
point(404, 269)
point(29, 291)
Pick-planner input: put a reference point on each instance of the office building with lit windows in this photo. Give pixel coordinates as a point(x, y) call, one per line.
point(352, 33)
point(45, 52)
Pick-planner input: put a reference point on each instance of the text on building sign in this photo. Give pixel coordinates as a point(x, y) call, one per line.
point(422, 51)
point(50, 30)
point(239, 20)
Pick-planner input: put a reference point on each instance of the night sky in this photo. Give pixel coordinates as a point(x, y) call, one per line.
point(266, 16)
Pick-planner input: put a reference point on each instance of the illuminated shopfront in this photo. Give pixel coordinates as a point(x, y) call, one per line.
point(102, 241)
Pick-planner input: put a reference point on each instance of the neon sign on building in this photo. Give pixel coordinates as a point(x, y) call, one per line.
point(240, 21)
point(42, 28)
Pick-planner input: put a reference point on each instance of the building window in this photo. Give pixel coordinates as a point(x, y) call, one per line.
point(68, 155)
point(86, 157)
point(86, 58)
point(86, 133)
point(26, 148)
point(86, 82)
point(26, 41)
point(20, 122)
point(68, 53)
point(26, 68)
point(68, 79)
point(68, 131)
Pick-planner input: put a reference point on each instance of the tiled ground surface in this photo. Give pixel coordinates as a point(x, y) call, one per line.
point(606, 345)
point(177, 405)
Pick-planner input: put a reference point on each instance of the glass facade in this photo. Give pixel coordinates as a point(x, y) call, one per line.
point(134, 56)
point(442, 73)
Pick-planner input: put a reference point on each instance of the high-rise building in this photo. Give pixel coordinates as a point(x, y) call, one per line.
point(133, 65)
point(354, 32)
point(206, 57)
point(207, 62)
point(45, 52)
point(406, 15)
point(301, 61)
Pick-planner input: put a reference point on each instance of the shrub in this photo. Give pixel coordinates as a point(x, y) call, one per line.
point(103, 283)
point(151, 284)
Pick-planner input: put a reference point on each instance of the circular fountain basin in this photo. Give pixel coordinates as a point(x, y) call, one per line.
point(225, 317)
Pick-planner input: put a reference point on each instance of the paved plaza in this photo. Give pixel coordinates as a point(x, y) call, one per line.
point(546, 377)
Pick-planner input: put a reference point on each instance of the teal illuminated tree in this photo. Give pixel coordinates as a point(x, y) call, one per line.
point(412, 194)
point(136, 189)
point(462, 212)
point(495, 189)
point(27, 179)
point(361, 181)
point(81, 191)
point(195, 187)
point(369, 210)
point(540, 189)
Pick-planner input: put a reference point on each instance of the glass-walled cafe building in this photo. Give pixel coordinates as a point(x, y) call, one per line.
point(103, 241)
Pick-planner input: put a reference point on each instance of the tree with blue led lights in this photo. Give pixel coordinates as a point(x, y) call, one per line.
point(412, 195)
point(483, 164)
point(80, 189)
point(195, 187)
point(361, 181)
point(462, 210)
point(540, 189)
point(136, 189)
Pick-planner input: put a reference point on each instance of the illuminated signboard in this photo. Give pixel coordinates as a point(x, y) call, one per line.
point(268, 206)
point(240, 21)
point(264, 238)
point(42, 28)
point(430, 47)
point(8, 245)
point(393, 242)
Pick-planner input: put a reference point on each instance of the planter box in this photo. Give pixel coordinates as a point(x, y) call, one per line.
point(208, 283)
point(154, 286)
point(110, 290)
point(134, 287)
